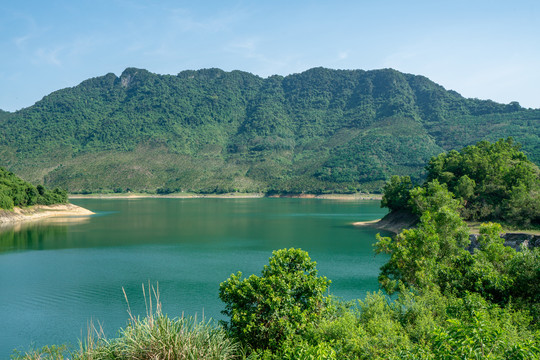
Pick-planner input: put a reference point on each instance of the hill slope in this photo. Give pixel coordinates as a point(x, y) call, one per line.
point(211, 130)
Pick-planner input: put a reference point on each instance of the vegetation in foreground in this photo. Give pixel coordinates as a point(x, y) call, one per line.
point(448, 301)
point(14, 191)
point(156, 336)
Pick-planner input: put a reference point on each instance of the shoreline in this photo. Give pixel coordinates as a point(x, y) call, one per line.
point(227, 196)
point(366, 223)
point(376, 224)
point(396, 224)
point(39, 212)
point(393, 222)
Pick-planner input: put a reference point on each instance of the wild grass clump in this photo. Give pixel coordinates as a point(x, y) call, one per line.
point(154, 337)
point(160, 337)
point(52, 352)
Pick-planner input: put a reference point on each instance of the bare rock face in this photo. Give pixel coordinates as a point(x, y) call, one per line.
point(125, 81)
point(514, 240)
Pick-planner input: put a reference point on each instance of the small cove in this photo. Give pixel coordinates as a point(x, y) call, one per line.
point(55, 277)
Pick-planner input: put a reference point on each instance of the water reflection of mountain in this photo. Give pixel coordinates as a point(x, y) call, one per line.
point(38, 235)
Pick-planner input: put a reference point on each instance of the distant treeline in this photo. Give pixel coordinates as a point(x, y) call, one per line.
point(211, 131)
point(14, 191)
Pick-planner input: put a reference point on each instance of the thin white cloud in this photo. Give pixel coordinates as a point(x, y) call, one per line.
point(60, 54)
point(48, 56)
point(30, 31)
point(184, 21)
point(343, 55)
point(246, 46)
point(21, 41)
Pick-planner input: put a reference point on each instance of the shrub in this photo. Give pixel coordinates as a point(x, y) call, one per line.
point(265, 311)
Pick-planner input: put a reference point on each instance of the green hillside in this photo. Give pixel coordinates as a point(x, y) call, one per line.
point(215, 131)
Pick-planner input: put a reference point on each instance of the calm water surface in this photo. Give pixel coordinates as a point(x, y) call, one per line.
point(57, 276)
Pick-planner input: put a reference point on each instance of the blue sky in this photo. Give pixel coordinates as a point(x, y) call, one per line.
point(481, 49)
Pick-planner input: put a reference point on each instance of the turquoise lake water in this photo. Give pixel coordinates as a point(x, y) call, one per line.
point(56, 276)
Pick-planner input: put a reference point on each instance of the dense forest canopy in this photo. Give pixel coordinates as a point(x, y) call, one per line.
point(492, 182)
point(214, 131)
point(14, 191)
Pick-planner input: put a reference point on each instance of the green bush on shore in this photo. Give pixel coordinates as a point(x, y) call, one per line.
point(14, 191)
point(493, 182)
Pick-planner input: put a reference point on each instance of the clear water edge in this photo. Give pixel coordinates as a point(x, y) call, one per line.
point(57, 276)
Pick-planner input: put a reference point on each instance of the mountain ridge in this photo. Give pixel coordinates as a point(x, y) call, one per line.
point(209, 130)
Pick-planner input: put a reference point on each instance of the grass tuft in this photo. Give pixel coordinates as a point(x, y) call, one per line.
point(154, 337)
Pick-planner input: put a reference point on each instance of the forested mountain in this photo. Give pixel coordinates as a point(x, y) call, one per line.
point(215, 131)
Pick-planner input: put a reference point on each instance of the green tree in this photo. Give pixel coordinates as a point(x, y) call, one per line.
point(524, 269)
point(523, 207)
point(485, 271)
point(432, 196)
point(14, 191)
point(288, 297)
point(464, 188)
point(6, 202)
point(31, 195)
point(495, 181)
point(396, 193)
point(482, 336)
point(418, 255)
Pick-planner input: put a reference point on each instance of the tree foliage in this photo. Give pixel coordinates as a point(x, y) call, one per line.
point(266, 311)
point(214, 131)
point(14, 191)
point(418, 255)
point(396, 193)
point(493, 182)
point(436, 255)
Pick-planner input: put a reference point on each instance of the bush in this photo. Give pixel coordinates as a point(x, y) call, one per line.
point(266, 311)
point(14, 191)
point(396, 193)
point(6, 202)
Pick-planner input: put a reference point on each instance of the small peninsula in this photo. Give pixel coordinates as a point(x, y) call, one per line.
point(39, 212)
point(21, 201)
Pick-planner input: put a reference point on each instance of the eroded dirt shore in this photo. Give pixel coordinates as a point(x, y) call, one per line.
point(38, 212)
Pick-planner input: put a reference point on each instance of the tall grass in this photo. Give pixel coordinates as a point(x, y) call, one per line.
point(154, 337)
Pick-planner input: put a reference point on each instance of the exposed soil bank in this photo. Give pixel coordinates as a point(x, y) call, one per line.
point(397, 221)
point(41, 212)
point(228, 196)
point(332, 196)
point(393, 222)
